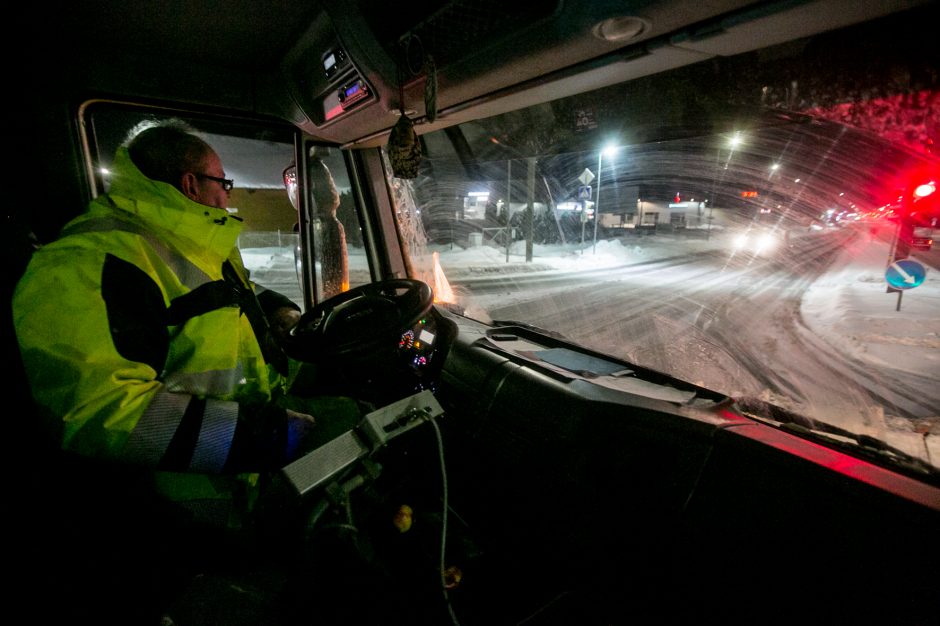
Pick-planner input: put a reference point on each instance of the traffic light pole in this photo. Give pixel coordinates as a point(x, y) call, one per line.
point(900, 249)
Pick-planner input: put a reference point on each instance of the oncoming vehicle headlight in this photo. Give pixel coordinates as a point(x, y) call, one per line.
point(755, 243)
point(765, 243)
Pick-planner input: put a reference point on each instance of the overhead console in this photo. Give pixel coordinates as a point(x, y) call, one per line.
point(345, 90)
point(324, 78)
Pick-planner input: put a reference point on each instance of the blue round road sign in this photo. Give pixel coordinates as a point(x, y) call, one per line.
point(905, 273)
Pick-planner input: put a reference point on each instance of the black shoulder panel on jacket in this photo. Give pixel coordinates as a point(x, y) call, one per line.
point(137, 315)
point(201, 300)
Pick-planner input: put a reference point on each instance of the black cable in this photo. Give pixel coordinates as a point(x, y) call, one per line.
point(440, 448)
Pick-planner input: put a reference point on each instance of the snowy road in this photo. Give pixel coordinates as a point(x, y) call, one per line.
point(731, 324)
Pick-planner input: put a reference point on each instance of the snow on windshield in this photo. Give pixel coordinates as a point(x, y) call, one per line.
point(752, 263)
point(838, 351)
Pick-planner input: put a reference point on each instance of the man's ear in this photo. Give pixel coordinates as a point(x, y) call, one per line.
point(189, 185)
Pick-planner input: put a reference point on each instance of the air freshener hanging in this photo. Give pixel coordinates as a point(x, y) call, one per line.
point(404, 148)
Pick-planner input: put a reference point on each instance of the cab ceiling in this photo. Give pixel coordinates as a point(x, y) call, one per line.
point(256, 57)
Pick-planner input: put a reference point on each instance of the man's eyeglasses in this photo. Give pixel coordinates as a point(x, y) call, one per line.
point(227, 183)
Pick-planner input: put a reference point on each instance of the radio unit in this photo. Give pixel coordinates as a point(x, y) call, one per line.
point(352, 92)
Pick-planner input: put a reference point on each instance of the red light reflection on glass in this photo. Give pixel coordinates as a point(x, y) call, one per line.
point(924, 190)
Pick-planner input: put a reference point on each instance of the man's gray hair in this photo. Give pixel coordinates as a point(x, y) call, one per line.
point(165, 150)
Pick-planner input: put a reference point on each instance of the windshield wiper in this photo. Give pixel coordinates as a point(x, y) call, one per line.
point(871, 448)
point(527, 326)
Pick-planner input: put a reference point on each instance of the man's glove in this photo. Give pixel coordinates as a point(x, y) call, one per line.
point(281, 321)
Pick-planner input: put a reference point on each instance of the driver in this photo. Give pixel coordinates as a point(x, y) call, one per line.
point(145, 343)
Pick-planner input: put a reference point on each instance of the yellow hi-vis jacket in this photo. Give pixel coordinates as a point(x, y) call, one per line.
point(135, 345)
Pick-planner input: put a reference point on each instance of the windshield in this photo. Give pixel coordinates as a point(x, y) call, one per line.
point(747, 225)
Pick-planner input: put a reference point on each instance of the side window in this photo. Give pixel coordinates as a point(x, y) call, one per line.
point(254, 156)
point(332, 227)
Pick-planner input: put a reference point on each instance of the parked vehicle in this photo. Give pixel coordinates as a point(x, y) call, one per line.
point(564, 422)
point(922, 238)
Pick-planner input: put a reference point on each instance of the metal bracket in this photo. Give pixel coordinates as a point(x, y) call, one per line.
point(374, 431)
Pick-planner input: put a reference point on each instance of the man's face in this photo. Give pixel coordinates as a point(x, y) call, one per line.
point(206, 190)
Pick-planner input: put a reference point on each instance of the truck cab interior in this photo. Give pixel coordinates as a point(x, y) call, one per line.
point(547, 475)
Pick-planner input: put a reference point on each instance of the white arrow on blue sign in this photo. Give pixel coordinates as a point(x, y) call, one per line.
point(905, 273)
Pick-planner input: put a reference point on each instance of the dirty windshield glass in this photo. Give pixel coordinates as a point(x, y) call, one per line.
point(761, 226)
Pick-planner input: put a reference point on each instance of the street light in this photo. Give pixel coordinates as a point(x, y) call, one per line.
point(609, 150)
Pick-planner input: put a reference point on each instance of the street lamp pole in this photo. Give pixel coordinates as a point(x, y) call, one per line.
point(597, 203)
point(610, 150)
point(508, 202)
point(709, 218)
point(735, 140)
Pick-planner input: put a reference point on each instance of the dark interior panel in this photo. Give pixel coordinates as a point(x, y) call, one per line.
point(568, 496)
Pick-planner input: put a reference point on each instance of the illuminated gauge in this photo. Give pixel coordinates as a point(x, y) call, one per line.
point(407, 340)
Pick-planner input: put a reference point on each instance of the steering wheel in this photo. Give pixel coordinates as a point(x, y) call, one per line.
point(360, 320)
